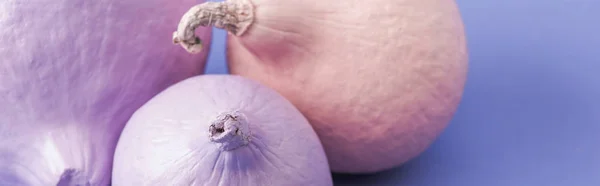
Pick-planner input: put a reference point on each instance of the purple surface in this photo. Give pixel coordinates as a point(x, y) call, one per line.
point(531, 108)
point(71, 74)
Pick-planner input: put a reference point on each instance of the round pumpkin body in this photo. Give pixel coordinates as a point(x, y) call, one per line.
point(219, 130)
point(379, 80)
point(72, 72)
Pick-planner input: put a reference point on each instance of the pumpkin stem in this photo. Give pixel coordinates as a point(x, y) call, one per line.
point(234, 16)
point(230, 131)
point(72, 177)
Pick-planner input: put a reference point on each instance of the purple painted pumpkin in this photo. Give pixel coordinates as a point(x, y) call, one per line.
point(219, 130)
point(72, 72)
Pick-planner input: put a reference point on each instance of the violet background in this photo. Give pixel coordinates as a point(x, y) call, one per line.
point(530, 115)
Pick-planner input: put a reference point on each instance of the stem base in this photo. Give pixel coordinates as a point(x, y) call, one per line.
point(230, 131)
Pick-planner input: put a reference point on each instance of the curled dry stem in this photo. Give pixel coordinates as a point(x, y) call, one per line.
point(230, 131)
point(235, 16)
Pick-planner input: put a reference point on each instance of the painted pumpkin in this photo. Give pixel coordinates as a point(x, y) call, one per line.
point(72, 72)
point(379, 80)
point(219, 130)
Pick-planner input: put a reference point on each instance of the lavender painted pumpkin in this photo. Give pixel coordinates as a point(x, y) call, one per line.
point(219, 130)
point(72, 72)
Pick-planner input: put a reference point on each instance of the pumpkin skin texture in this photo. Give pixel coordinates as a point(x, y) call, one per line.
point(379, 80)
point(72, 72)
point(169, 141)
